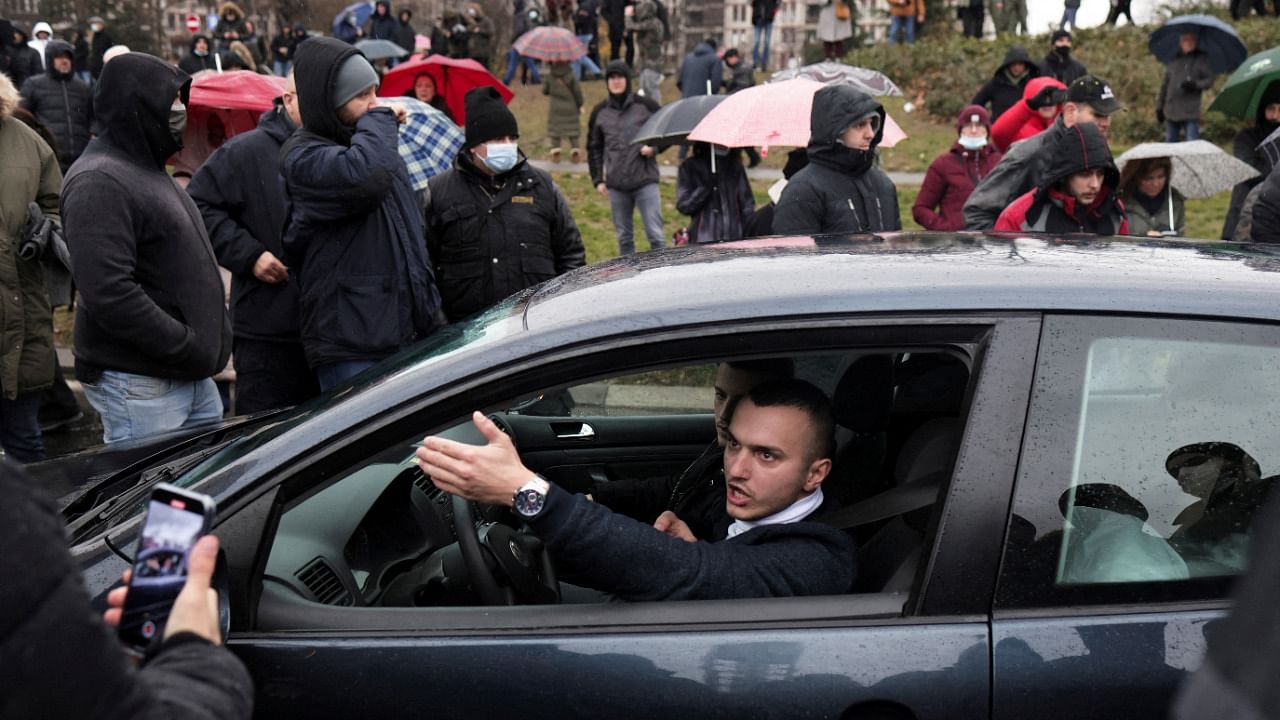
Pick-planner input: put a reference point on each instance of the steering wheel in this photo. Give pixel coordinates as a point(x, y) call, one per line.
point(519, 557)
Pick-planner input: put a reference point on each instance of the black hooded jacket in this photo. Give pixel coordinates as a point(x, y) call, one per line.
point(611, 156)
point(151, 295)
point(840, 190)
point(241, 196)
point(1049, 209)
point(1002, 91)
point(355, 238)
point(25, 60)
point(62, 103)
point(191, 63)
point(382, 27)
point(1063, 69)
point(1245, 147)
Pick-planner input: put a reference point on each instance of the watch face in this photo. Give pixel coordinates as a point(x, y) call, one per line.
point(529, 502)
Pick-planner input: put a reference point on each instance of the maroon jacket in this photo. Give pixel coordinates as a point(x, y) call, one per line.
point(947, 184)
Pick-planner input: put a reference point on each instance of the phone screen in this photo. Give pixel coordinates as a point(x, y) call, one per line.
point(172, 526)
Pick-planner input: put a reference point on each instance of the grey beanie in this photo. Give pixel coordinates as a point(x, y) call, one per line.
point(354, 77)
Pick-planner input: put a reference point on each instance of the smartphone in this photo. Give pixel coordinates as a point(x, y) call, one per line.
point(175, 519)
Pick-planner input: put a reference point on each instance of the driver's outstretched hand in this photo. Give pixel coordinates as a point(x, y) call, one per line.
point(488, 474)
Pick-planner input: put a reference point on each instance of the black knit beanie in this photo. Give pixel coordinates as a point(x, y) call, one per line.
point(488, 117)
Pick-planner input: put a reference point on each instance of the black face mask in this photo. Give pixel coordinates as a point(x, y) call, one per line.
point(1064, 51)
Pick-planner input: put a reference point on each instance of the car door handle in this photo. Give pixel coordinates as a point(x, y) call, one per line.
point(575, 431)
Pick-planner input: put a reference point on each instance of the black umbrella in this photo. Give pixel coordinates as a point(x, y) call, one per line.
point(674, 121)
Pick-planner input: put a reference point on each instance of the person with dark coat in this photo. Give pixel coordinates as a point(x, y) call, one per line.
point(622, 171)
point(1089, 100)
point(495, 224)
point(1006, 86)
point(741, 75)
point(1247, 146)
point(1040, 105)
point(719, 204)
point(1059, 64)
point(99, 42)
point(586, 25)
point(25, 61)
point(231, 25)
point(701, 73)
point(761, 222)
point(841, 190)
point(564, 112)
point(80, 62)
point(762, 15)
point(953, 175)
point(479, 34)
point(614, 14)
point(199, 57)
point(62, 103)
point(241, 198)
point(1265, 217)
point(354, 241)
point(282, 51)
point(1079, 193)
point(381, 25)
point(406, 36)
point(48, 627)
point(775, 547)
point(524, 18)
point(151, 329)
point(1186, 77)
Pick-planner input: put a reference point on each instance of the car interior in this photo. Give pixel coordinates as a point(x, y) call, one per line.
point(381, 534)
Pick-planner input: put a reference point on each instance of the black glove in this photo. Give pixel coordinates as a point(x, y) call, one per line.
point(35, 234)
point(1190, 86)
point(1046, 97)
point(1160, 116)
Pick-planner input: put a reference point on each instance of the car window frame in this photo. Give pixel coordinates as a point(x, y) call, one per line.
point(960, 596)
point(1046, 463)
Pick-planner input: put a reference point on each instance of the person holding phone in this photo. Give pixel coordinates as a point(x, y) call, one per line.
point(47, 626)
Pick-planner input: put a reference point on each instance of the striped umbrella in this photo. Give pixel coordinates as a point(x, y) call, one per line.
point(429, 141)
point(550, 43)
point(871, 82)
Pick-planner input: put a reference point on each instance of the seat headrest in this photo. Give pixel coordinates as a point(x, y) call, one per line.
point(928, 451)
point(864, 396)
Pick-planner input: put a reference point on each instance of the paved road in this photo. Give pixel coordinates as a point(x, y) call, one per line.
point(898, 178)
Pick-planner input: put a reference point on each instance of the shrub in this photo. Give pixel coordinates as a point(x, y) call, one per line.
point(943, 74)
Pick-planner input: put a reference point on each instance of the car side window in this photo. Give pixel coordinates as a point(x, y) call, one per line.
point(685, 390)
point(1150, 449)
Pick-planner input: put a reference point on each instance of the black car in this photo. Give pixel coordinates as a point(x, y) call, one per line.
point(1050, 453)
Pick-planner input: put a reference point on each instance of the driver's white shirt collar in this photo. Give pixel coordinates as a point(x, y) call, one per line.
point(795, 512)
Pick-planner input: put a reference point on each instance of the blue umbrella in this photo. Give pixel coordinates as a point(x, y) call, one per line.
point(347, 24)
point(1218, 39)
point(429, 141)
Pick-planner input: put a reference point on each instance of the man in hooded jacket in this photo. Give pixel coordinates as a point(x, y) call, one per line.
point(1089, 100)
point(381, 25)
point(625, 173)
point(1078, 194)
point(841, 190)
point(200, 56)
point(151, 329)
point(495, 224)
point(1247, 146)
point(62, 103)
point(241, 196)
point(354, 236)
point(1058, 63)
point(1006, 86)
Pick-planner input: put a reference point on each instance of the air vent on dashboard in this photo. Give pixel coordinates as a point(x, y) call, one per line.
point(323, 583)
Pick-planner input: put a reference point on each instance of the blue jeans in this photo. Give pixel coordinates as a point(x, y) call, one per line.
point(904, 22)
point(1069, 18)
point(585, 64)
point(20, 427)
point(335, 374)
point(134, 406)
point(281, 67)
point(624, 203)
point(1172, 130)
point(760, 56)
point(513, 60)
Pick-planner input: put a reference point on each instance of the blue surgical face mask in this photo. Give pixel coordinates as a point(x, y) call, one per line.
point(501, 157)
point(972, 143)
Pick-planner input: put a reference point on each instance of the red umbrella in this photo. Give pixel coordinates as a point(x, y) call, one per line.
point(454, 78)
point(221, 106)
point(550, 43)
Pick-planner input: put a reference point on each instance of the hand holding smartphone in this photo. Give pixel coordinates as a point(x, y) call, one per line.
point(175, 520)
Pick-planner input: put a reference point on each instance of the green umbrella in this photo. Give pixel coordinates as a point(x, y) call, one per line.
point(1240, 95)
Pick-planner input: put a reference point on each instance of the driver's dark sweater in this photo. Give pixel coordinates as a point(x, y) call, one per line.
point(597, 548)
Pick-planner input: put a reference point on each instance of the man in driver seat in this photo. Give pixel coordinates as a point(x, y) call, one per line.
point(778, 453)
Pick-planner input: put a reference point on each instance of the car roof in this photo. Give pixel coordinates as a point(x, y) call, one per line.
point(943, 272)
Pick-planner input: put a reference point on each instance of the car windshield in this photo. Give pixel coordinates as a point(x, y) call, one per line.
point(500, 321)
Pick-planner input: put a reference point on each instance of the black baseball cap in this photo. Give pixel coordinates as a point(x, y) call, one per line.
point(1094, 92)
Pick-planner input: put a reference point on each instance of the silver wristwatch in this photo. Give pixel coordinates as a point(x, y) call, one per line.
point(531, 497)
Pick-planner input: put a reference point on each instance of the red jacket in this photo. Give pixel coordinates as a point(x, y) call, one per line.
point(1064, 216)
point(951, 178)
point(1020, 122)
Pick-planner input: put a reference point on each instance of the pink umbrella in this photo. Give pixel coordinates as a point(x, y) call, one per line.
point(771, 114)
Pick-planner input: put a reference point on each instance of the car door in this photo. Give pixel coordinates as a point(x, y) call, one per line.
point(921, 650)
point(1151, 443)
